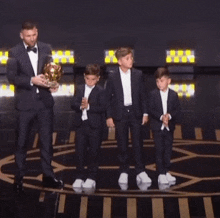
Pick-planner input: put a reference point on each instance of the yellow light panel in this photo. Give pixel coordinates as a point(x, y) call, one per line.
point(3, 57)
point(172, 52)
point(63, 56)
point(176, 60)
point(180, 56)
point(110, 57)
point(64, 90)
point(187, 90)
point(107, 60)
point(111, 53)
point(180, 52)
point(168, 59)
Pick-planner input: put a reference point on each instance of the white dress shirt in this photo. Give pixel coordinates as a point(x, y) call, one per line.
point(164, 97)
point(86, 95)
point(126, 85)
point(33, 58)
point(34, 61)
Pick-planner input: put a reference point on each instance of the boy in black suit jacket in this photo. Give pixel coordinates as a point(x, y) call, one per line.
point(164, 109)
point(126, 109)
point(89, 105)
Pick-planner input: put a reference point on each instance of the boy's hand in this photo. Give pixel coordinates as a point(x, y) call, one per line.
point(144, 120)
point(165, 119)
point(110, 123)
point(84, 103)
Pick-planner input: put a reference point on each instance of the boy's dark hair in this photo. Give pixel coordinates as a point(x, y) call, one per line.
point(160, 72)
point(29, 25)
point(122, 52)
point(92, 69)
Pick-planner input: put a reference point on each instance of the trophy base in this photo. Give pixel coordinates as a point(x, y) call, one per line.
point(53, 84)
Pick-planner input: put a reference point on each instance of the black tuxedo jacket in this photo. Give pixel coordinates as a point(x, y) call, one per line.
point(156, 109)
point(97, 106)
point(20, 71)
point(115, 97)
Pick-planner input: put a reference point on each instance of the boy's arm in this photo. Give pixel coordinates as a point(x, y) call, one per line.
point(108, 93)
point(144, 101)
point(175, 113)
point(153, 109)
point(143, 96)
point(76, 102)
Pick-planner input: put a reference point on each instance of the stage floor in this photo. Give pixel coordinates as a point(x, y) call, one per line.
point(195, 163)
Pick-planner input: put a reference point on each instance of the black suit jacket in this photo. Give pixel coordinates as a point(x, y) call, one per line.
point(97, 106)
point(115, 97)
point(20, 71)
point(156, 109)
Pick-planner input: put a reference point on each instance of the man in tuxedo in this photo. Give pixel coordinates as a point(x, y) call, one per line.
point(33, 99)
point(127, 109)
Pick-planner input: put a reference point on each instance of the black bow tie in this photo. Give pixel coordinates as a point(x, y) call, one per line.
point(34, 49)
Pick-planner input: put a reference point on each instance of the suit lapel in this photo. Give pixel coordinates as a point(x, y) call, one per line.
point(159, 100)
point(40, 59)
point(82, 91)
point(93, 92)
point(26, 60)
point(168, 100)
point(118, 86)
point(134, 83)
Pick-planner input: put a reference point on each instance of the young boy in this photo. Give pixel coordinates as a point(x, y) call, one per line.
point(126, 109)
point(89, 106)
point(164, 108)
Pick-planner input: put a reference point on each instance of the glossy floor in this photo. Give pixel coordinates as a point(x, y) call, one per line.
point(196, 193)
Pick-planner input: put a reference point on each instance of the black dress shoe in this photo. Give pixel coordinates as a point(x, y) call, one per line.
point(52, 182)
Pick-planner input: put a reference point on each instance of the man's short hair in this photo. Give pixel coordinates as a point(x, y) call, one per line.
point(92, 69)
point(160, 72)
point(122, 52)
point(29, 25)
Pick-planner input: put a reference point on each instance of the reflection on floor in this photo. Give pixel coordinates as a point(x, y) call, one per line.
point(195, 163)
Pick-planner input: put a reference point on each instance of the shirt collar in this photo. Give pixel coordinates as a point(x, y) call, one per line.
point(124, 73)
point(164, 93)
point(88, 87)
point(25, 45)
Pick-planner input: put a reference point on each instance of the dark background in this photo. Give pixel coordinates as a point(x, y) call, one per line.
point(89, 27)
point(149, 26)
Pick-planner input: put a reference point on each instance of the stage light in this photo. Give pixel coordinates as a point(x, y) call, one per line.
point(63, 56)
point(180, 56)
point(64, 90)
point(3, 57)
point(187, 90)
point(59, 56)
point(110, 57)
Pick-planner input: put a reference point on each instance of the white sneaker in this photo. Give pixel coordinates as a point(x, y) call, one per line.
point(163, 186)
point(162, 179)
point(144, 186)
point(78, 183)
point(170, 178)
point(123, 178)
point(123, 186)
point(143, 178)
point(89, 183)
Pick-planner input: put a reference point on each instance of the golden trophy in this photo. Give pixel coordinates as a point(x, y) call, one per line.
point(52, 73)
